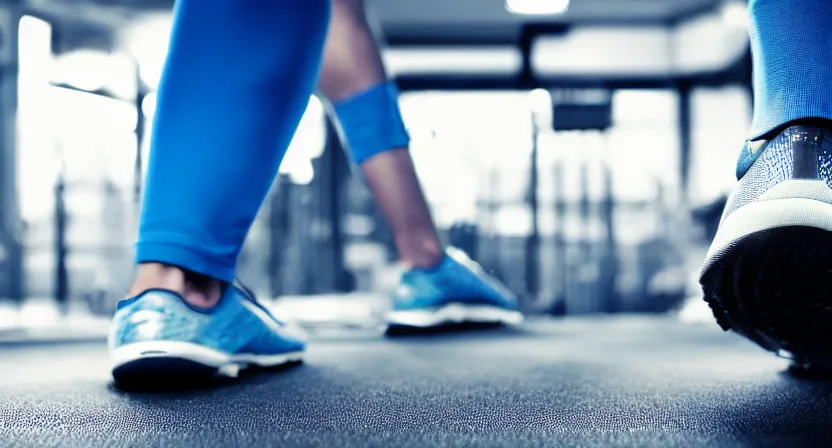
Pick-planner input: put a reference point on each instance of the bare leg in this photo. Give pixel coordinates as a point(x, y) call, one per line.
point(352, 64)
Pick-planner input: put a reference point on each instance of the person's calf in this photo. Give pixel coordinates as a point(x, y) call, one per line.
point(352, 60)
point(365, 103)
point(392, 179)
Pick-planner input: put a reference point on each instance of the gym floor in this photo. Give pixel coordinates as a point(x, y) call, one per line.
point(601, 381)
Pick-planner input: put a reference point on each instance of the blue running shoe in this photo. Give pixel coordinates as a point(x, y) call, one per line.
point(767, 273)
point(455, 292)
point(158, 335)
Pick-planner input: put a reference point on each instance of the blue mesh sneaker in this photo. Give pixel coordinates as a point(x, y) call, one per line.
point(455, 292)
point(158, 335)
point(768, 273)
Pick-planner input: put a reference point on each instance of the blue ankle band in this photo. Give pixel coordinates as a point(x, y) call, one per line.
point(372, 122)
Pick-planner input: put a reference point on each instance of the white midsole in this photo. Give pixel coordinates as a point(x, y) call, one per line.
point(790, 203)
point(454, 314)
point(227, 364)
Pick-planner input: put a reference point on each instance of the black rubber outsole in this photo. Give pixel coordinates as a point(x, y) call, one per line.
point(775, 288)
point(394, 330)
point(167, 374)
point(163, 373)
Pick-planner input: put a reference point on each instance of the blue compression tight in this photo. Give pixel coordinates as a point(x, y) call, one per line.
point(792, 48)
point(236, 82)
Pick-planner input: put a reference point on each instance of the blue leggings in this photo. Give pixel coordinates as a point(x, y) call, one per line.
point(237, 80)
point(239, 75)
point(792, 47)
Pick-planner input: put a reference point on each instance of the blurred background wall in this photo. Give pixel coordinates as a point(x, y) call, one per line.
point(582, 157)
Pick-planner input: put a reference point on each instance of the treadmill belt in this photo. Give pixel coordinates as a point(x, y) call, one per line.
point(605, 381)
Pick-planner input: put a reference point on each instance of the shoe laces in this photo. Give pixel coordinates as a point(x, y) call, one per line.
point(463, 259)
point(245, 291)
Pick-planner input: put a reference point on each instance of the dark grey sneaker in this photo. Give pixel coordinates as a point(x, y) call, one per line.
point(768, 273)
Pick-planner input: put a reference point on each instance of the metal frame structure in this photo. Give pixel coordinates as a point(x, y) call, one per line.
point(11, 254)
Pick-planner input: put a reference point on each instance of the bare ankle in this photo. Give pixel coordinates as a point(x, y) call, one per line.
point(158, 276)
point(422, 255)
point(197, 290)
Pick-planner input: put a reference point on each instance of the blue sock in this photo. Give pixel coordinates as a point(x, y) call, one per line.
point(372, 122)
point(792, 47)
point(237, 80)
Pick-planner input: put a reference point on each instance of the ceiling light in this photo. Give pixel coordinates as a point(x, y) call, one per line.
point(537, 7)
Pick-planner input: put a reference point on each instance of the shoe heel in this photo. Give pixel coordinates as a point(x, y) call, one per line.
point(775, 288)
